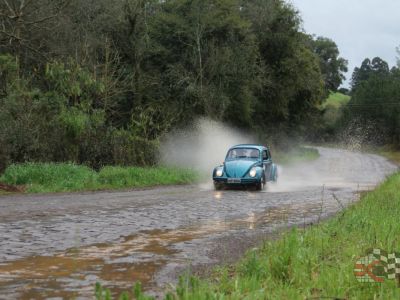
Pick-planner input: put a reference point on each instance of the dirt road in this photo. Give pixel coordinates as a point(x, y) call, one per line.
point(59, 246)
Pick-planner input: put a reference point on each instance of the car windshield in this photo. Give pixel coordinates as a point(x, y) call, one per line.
point(243, 153)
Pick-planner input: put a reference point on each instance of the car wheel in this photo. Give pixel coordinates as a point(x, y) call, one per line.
point(275, 179)
point(260, 186)
point(275, 176)
point(218, 186)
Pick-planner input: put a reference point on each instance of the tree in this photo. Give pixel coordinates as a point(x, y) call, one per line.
point(291, 82)
point(207, 56)
point(376, 101)
point(332, 66)
point(368, 68)
point(27, 27)
point(99, 81)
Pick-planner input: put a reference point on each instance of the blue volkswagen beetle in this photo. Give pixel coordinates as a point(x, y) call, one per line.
point(245, 165)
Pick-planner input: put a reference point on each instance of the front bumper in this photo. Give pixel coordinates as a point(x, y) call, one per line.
point(243, 181)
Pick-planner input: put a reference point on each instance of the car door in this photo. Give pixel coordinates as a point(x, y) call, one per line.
point(267, 164)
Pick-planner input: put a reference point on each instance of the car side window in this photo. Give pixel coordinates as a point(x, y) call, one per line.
point(265, 155)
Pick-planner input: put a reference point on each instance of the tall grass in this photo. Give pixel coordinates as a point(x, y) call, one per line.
point(140, 177)
point(52, 177)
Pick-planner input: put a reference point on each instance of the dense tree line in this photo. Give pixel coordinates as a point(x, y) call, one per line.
point(374, 109)
point(100, 82)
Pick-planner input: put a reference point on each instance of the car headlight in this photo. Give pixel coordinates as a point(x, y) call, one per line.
point(219, 172)
point(253, 172)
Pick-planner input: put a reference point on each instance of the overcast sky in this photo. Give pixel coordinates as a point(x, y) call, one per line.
point(361, 28)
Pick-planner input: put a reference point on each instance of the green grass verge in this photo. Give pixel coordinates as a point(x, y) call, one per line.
point(392, 155)
point(336, 100)
point(389, 151)
point(315, 263)
point(295, 155)
point(51, 177)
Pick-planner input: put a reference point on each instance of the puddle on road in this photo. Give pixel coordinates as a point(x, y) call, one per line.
point(119, 265)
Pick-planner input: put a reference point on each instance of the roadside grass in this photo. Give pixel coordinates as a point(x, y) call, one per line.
point(295, 155)
point(391, 154)
point(120, 177)
point(52, 177)
point(312, 263)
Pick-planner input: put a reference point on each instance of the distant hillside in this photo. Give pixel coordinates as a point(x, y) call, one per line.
point(333, 107)
point(336, 100)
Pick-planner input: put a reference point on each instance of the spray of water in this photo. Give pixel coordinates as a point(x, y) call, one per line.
point(202, 146)
point(358, 134)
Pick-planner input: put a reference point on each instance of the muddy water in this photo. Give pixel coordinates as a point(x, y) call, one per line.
point(59, 246)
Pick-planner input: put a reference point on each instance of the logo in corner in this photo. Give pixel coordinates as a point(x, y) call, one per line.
point(376, 266)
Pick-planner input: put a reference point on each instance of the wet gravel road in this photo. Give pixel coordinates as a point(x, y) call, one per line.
point(59, 246)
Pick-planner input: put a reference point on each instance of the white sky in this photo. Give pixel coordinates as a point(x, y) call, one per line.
point(360, 28)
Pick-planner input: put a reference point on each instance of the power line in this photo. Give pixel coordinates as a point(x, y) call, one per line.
point(375, 104)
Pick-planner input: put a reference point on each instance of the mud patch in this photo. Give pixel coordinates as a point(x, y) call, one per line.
point(67, 277)
point(12, 188)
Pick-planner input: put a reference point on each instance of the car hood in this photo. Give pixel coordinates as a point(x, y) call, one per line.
point(238, 168)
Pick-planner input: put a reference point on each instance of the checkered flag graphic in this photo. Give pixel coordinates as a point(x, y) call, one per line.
point(390, 262)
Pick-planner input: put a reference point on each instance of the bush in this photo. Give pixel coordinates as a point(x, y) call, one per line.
point(130, 150)
point(68, 121)
point(134, 176)
point(42, 177)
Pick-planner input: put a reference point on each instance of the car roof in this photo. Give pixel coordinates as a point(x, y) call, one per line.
point(255, 146)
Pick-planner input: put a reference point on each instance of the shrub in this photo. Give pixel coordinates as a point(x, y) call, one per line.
point(43, 177)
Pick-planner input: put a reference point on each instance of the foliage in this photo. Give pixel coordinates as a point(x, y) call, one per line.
point(292, 82)
point(50, 177)
point(375, 102)
point(28, 29)
point(135, 176)
point(67, 177)
point(332, 66)
point(101, 82)
point(370, 118)
point(367, 69)
point(66, 121)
